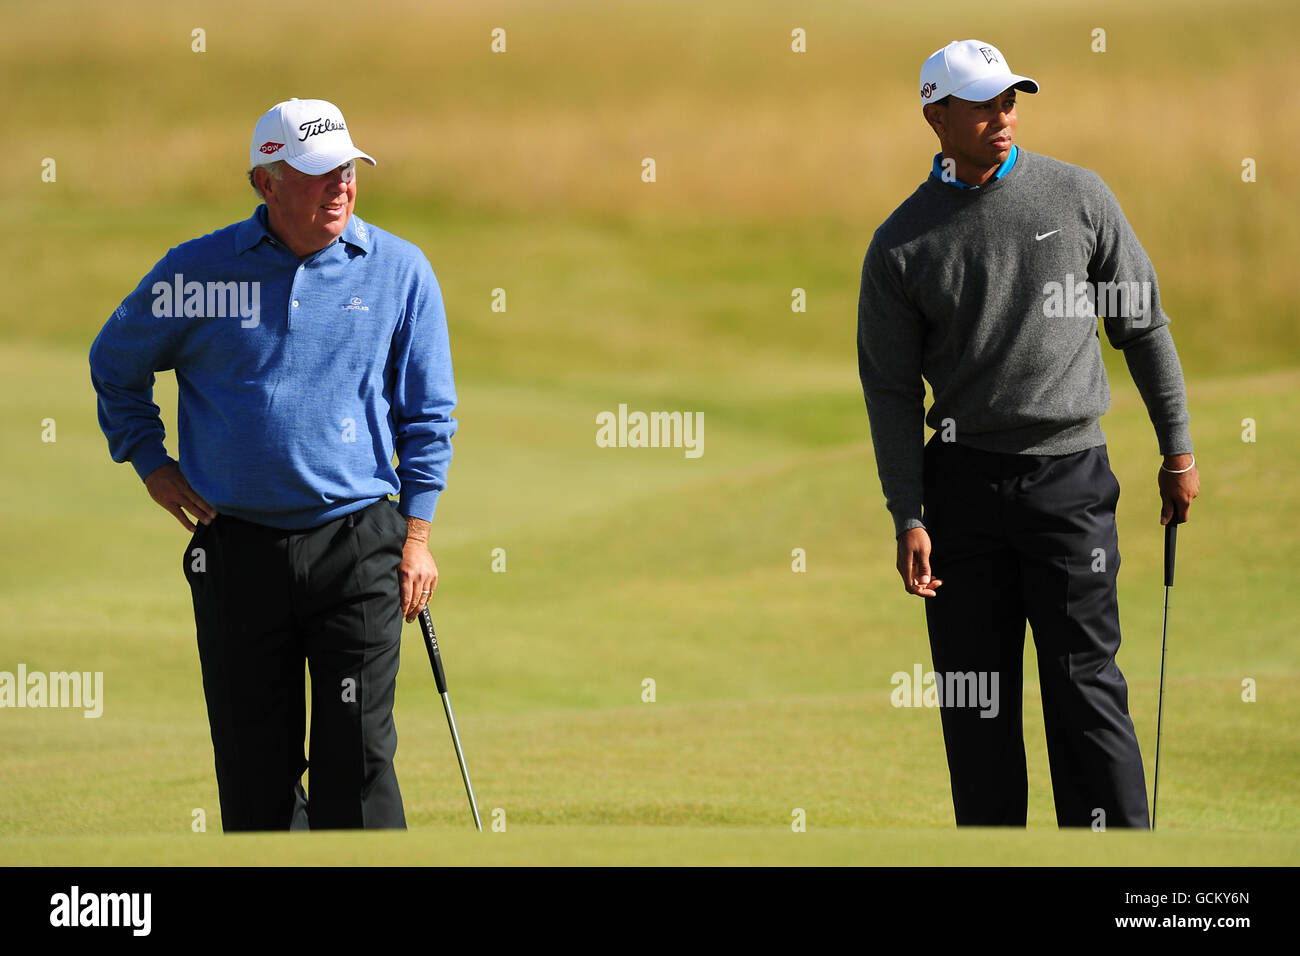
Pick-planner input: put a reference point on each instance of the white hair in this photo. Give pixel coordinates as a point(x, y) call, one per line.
point(275, 170)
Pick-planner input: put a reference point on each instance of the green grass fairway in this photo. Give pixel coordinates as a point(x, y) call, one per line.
point(772, 688)
point(662, 846)
point(522, 171)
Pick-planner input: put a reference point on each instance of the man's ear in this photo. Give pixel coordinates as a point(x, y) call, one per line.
point(936, 116)
point(260, 179)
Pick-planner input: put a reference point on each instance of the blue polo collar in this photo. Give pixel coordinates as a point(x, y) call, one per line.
point(254, 229)
point(937, 169)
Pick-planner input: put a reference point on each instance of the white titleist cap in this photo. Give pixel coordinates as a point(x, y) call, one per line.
point(969, 70)
point(309, 135)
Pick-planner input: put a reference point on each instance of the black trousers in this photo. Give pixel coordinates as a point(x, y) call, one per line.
point(1030, 537)
point(265, 602)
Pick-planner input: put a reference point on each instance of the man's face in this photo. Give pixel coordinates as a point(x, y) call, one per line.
point(979, 134)
point(309, 212)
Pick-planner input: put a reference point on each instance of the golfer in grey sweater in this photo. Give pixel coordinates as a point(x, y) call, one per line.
point(988, 281)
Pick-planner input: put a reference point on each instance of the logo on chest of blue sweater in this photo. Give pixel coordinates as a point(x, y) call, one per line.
point(356, 305)
point(208, 300)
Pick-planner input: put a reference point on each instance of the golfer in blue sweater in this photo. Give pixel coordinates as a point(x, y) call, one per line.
point(309, 348)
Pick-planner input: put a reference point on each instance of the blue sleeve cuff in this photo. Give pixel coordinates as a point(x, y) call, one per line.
point(419, 504)
point(149, 460)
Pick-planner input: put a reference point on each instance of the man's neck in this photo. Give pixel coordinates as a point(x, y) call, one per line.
point(301, 253)
point(972, 175)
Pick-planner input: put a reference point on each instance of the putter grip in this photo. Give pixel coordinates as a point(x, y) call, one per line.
point(1171, 546)
point(431, 645)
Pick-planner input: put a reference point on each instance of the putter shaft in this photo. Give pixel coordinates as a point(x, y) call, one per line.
point(460, 758)
point(440, 678)
point(1171, 551)
point(1160, 711)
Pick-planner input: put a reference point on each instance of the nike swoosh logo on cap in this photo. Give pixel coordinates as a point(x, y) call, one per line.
point(1045, 235)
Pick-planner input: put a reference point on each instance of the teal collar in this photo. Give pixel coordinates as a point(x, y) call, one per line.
point(937, 170)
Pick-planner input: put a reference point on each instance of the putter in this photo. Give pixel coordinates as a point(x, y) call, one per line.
point(1171, 545)
point(440, 678)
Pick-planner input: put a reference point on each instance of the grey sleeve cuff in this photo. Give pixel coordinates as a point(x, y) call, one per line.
point(904, 525)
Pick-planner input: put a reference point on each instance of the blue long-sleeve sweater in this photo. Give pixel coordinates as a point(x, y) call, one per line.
point(298, 379)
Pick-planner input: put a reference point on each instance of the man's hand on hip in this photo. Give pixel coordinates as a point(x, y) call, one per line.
point(914, 563)
point(168, 487)
point(418, 573)
point(1177, 490)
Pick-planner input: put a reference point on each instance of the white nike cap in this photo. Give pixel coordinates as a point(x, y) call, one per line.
point(309, 135)
point(969, 70)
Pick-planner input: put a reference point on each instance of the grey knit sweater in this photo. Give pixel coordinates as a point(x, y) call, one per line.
point(993, 295)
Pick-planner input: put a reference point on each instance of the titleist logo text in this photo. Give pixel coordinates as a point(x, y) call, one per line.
point(318, 125)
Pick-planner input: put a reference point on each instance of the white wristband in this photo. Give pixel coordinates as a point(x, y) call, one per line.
point(1181, 471)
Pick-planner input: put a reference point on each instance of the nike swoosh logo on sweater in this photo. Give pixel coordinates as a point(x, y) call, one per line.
point(1045, 235)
